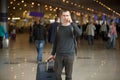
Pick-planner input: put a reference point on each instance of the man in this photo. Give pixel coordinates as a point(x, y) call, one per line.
point(39, 33)
point(2, 34)
point(64, 46)
point(103, 30)
point(90, 31)
point(52, 30)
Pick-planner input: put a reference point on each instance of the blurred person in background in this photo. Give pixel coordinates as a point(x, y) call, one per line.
point(112, 34)
point(2, 34)
point(90, 32)
point(52, 30)
point(39, 33)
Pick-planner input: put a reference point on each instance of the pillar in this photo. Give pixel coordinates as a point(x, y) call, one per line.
point(4, 13)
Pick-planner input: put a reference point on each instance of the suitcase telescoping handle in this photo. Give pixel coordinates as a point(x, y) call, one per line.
point(50, 66)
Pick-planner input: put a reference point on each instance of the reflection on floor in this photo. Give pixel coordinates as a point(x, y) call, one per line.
point(18, 62)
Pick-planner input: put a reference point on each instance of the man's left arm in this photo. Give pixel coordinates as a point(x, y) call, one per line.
point(77, 30)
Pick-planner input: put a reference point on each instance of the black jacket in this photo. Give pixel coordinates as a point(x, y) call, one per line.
point(39, 32)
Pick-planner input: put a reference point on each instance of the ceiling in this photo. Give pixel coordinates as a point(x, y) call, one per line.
point(85, 6)
point(114, 4)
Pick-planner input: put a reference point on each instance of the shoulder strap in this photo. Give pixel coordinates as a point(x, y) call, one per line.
point(74, 38)
point(72, 30)
point(58, 27)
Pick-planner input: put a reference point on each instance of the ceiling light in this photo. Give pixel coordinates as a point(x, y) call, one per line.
point(9, 18)
point(63, 0)
point(67, 1)
point(72, 3)
point(33, 3)
point(50, 6)
point(78, 5)
point(51, 9)
point(22, 1)
point(18, 3)
point(13, 7)
point(45, 5)
point(25, 5)
point(11, 2)
point(75, 4)
point(38, 4)
point(20, 8)
point(54, 10)
point(46, 8)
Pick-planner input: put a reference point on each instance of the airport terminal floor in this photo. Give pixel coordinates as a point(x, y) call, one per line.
point(18, 62)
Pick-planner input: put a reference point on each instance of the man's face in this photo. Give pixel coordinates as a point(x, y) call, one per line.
point(65, 17)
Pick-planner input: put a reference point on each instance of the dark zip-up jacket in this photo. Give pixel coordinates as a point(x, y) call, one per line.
point(39, 32)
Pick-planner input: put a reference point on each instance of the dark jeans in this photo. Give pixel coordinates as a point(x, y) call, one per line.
point(104, 36)
point(62, 61)
point(1, 40)
point(90, 40)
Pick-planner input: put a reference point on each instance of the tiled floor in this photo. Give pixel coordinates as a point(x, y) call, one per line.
point(18, 62)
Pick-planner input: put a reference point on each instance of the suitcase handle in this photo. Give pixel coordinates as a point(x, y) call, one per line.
point(50, 66)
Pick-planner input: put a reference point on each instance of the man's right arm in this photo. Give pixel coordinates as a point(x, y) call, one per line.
point(52, 56)
point(54, 46)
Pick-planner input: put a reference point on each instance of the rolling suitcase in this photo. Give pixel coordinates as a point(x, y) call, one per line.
point(45, 71)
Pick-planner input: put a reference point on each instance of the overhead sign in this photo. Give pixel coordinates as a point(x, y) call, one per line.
point(37, 14)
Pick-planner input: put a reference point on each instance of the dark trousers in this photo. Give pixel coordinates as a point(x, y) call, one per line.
point(104, 35)
point(1, 40)
point(90, 40)
point(64, 61)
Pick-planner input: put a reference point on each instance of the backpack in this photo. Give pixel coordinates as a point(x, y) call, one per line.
point(74, 36)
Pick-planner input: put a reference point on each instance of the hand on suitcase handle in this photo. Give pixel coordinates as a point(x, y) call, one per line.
point(50, 58)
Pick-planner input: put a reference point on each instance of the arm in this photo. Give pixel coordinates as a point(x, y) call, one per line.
point(54, 46)
point(52, 56)
point(77, 30)
point(94, 28)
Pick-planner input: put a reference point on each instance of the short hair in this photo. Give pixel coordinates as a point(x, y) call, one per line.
point(56, 19)
point(64, 11)
point(111, 21)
